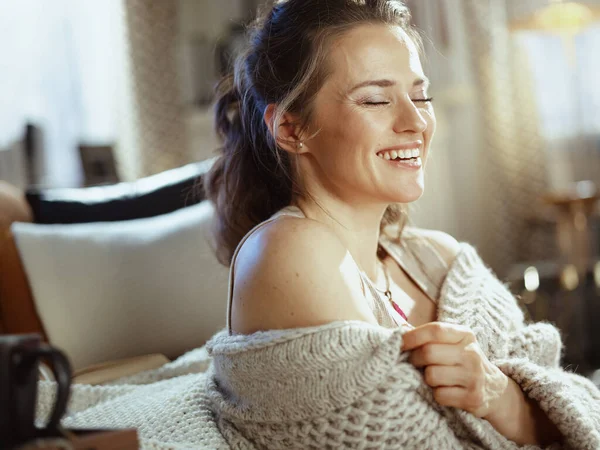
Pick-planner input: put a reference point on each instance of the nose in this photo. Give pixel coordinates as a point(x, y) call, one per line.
point(409, 118)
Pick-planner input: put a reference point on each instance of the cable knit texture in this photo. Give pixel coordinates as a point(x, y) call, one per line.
point(343, 385)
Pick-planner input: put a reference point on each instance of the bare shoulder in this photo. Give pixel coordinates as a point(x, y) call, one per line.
point(295, 272)
point(447, 246)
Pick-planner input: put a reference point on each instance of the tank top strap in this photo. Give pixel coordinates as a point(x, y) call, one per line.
point(420, 260)
point(287, 211)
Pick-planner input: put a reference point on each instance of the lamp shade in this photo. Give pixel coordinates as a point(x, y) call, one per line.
point(559, 17)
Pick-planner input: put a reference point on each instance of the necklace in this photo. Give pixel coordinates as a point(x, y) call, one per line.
point(388, 292)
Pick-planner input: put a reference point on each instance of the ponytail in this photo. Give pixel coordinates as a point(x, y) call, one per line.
point(249, 181)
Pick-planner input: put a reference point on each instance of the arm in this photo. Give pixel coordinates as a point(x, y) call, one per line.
point(523, 421)
point(559, 406)
point(541, 344)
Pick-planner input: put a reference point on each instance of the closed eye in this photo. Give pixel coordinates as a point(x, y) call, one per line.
point(423, 100)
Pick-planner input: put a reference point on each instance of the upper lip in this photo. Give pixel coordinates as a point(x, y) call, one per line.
point(414, 144)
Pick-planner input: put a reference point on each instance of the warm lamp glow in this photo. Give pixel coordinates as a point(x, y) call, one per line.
point(567, 17)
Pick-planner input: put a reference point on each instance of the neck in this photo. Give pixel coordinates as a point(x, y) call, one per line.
point(356, 225)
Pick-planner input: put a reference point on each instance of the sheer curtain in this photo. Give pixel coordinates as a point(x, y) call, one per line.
point(152, 135)
point(567, 92)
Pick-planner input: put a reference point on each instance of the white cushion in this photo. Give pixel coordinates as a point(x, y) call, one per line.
point(121, 289)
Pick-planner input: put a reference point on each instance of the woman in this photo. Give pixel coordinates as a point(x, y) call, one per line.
point(327, 126)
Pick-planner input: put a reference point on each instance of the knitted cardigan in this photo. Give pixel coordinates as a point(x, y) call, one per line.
point(343, 385)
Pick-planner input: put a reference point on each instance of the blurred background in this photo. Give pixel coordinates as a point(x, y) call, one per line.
point(98, 92)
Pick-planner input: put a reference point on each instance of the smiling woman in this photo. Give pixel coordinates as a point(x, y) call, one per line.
point(326, 125)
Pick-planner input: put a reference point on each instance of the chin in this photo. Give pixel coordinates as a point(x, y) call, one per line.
point(408, 199)
point(408, 195)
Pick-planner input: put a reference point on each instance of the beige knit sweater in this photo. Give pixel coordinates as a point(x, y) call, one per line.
point(343, 385)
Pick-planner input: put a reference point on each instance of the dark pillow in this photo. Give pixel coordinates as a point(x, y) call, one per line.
point(147, 197)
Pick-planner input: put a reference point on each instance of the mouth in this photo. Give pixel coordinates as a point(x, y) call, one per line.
point(407, 155)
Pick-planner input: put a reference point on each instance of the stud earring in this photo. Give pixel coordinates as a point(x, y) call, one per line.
point(300, 144)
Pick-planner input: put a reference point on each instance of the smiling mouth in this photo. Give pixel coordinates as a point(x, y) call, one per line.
point(400, 155)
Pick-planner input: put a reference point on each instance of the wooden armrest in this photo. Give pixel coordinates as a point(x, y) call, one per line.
point(13, 205)
point(17, 308)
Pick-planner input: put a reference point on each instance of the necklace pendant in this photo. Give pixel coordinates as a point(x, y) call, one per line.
point(388, 294)
point(398, 310)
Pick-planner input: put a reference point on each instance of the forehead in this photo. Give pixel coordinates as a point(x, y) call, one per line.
point(374, 51)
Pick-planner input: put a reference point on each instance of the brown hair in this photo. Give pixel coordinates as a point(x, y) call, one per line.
point(284, 64)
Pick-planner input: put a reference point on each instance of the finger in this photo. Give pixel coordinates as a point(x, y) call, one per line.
point(440, 354)
point(450, 396)
point(448, 376)
point(440, 332)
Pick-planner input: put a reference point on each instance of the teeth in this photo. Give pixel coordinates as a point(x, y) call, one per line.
point(402, 154)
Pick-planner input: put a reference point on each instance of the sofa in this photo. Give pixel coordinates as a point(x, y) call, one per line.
point(121, 276)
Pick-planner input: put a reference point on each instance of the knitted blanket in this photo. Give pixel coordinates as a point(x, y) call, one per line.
point(342, 385)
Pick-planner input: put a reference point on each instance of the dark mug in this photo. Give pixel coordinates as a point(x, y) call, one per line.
point(20, 357)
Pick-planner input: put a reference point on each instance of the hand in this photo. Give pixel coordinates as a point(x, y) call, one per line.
point(457, 369)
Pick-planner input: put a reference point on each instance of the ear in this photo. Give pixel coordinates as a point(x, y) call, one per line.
point(288, 131)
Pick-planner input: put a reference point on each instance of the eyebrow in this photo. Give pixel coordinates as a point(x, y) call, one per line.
point(387, 83)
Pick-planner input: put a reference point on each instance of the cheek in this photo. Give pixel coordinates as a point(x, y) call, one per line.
point(344, 133)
